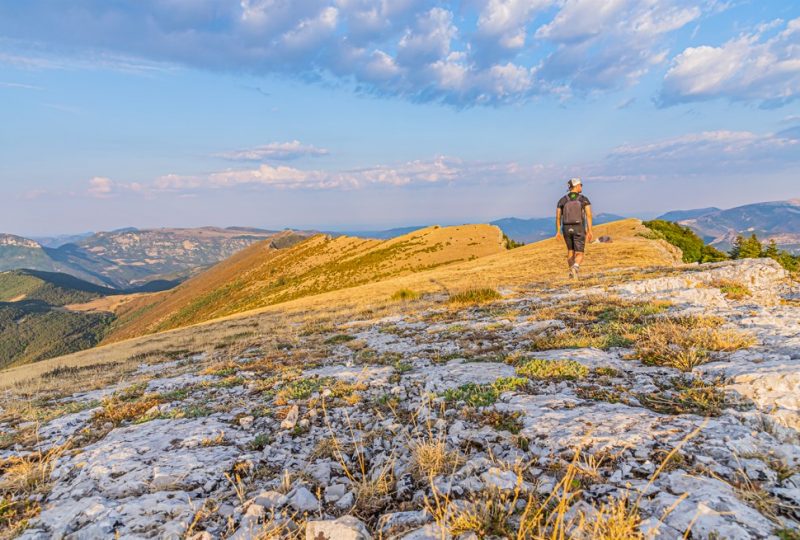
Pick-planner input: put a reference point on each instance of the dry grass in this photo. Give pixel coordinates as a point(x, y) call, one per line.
point(733, 290)
point(431, 458)
point(687, 396)
point(687, 342)
point(475, 296)
point(23, 481)
point(628, 257)
point(405, 295)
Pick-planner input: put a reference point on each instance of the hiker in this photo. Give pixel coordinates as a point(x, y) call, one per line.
point(574, 221)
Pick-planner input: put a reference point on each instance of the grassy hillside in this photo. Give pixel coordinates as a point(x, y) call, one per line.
point(258, 276)
point(53, 288)
point(31, 330)
point(631, 254)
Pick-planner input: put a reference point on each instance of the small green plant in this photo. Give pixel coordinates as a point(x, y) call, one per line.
point(405, 295)
point(607, 372)
point(303, 388)
point(510, 384)
point(475, 296)
point(553, 369)
point(788, 534)
point(474, 395)
point(260, 442)
point(339, 338)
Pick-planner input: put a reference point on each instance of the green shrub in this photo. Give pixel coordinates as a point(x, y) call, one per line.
point(692, 246)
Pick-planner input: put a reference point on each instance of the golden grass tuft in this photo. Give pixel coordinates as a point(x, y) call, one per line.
point(475, 296)
point(405, 295)
point(687, 342)
point(431, 458)
point(733, 290)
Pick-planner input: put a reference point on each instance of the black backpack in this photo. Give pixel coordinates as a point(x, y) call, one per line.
point(572, 214)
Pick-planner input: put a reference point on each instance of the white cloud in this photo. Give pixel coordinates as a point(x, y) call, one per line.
point(506, 20)
point(710, 152)
point(752, 66)
point(100, 187)
point(429, 40)
point(609, 44)
point(19, 86)
point(461, 53)
point(276, 150)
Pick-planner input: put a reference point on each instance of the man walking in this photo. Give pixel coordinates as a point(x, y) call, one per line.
point(574, 221)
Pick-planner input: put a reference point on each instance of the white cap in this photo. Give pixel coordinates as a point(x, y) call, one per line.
point(574, 182)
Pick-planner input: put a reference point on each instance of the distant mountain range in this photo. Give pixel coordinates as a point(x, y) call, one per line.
point(779, 221)
point(129, 258)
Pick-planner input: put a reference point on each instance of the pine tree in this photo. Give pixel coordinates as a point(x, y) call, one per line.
point(772, 251)
point(736, 250)
point(750, 248)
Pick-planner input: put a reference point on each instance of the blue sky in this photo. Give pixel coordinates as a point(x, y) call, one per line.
point(380, 113)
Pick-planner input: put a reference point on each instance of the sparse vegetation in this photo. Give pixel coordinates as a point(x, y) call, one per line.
point(687, 342)
point(405, 295)
point(475, 296)
point(733, 290)
point(474, 395)
point(553, 369)
point(682, 395)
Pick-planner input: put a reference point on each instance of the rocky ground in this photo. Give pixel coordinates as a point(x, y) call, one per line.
point(636, 410)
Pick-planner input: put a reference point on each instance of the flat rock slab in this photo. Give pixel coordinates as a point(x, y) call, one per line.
point(455, 373)
point(136, 477)
point(370, 375)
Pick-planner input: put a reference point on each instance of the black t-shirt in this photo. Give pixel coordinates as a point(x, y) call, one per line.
point(581, 197)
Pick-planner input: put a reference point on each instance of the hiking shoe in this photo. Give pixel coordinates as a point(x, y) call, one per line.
point(573, 272)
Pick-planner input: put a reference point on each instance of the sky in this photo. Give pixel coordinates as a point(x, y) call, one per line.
point(368, 114)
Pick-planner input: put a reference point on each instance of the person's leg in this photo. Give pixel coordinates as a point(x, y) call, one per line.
point(570, 258)
point(578, 259)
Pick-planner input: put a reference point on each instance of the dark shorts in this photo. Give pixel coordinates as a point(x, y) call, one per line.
point(575, 237)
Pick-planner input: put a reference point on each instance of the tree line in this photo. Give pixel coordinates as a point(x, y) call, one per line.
point(696, 250)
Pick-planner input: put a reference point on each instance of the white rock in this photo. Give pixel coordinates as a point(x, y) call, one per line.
point(346, 502)
point(344, 528)
point(334, 492)
point(428, 532)
point(270, 499)
point(499, 479)
point(291, 418)
point(302, 500)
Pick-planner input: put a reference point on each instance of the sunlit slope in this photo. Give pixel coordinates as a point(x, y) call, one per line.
point(542, 263)
point(259, 276)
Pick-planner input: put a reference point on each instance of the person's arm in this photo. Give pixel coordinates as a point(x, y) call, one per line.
point(558, 222)
point(589, 234)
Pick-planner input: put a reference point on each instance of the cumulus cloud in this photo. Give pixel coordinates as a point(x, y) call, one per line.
point(480, 52)
point(276, 150)
point(602, 44)
point(100, 187)
point(763, 66)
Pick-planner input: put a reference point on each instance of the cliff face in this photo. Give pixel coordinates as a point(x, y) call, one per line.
point(664, 396)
